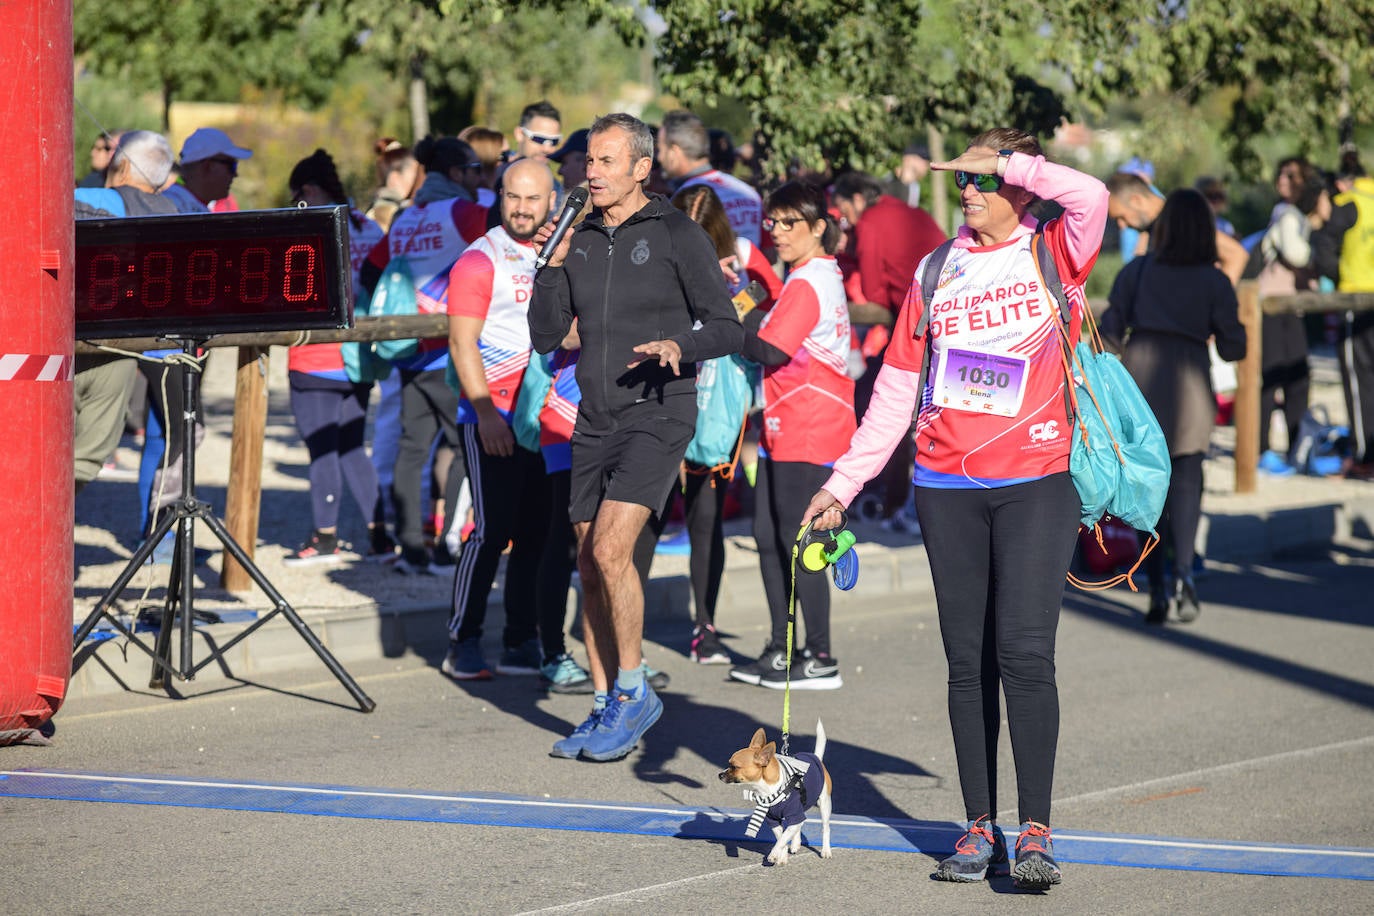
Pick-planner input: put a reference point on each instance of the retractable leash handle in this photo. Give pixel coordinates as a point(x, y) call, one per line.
point(833, 549)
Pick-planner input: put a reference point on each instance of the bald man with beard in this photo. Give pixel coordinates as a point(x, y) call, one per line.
point(489, 343)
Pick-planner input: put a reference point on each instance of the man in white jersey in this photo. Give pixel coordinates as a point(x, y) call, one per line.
point(684, 150)
point(489, 342)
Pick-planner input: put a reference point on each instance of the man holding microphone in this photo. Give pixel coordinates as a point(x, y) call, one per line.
point(642, 281)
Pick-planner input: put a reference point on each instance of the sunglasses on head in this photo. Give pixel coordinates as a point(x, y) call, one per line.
point(544, 139)
point(985, 183)
point(782, 225)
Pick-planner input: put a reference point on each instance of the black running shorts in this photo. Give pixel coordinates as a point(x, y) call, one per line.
point(637, 462)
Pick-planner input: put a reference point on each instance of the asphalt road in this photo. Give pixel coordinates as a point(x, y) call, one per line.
point(1254, 725)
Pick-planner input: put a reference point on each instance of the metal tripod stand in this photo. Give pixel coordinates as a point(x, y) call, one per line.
point(180, 600)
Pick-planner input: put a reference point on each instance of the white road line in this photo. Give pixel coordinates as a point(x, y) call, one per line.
point(581, 905)
point(1162, 781)
point(355, 793)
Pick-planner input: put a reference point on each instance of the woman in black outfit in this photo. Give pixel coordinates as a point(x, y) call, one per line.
point(1165, 306)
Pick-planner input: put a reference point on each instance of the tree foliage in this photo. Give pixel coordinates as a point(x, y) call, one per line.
point(1295, 66)
point(209, 51)
point(852, 81)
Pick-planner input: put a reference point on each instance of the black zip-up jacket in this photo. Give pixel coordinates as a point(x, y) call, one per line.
point(652, 279)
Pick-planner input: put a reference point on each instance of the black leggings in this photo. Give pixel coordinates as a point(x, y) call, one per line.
point(703, 505)
point(784, 489)
point(331, 416)
point(1178, 524)
point(428, 407)
point(556, 565)
point(1295, 381)
point(998, 559)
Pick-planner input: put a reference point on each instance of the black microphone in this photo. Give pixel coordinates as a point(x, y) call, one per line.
point(577, 199)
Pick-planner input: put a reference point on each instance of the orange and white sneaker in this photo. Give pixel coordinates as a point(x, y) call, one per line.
point(1035, 868)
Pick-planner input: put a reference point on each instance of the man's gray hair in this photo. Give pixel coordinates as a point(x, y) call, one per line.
point(149, 156)
point(641, 138)
point(685, 130)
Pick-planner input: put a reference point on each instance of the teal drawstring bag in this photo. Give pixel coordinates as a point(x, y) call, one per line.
point(395, 295)
point(1119, 460)
point(1118, 457)
point(361, 363)
point(725, 392)
point(534, 392)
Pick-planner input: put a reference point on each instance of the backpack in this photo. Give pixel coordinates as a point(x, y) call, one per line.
point(725, 392)
point(361, 363)
point(395, 295)
point(1119, 460)
point(529, 402)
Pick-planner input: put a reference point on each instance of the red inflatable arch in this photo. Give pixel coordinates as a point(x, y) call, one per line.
point(36, 365)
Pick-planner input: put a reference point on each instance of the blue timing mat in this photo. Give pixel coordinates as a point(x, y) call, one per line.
point(931, 838)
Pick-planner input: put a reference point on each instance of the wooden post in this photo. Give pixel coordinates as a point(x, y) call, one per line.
point(1247, 408)
point(244, 495)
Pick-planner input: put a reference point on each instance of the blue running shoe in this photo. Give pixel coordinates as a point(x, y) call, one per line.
point(1275, 465)
point(1035, 868)
point(465, 661)
point(982, 847)
point(568, 748)
point(622, 725)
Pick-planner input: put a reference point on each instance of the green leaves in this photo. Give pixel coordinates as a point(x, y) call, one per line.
point(853, 82)
point(1297, 67)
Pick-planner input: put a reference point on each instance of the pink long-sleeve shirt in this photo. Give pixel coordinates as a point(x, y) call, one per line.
point(992, 411)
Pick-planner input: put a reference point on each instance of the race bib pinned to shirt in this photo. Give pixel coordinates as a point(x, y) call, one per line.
point(979, 381)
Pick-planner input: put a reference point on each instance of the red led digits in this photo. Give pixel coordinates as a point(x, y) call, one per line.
point(201, 271)
point(156, 288)
point(103, 291)
point(197, 275)
point(255, 266)
point(296, 272)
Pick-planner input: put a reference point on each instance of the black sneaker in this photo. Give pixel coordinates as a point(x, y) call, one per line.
point(441, 557)
point(773, 658)
point(706, 647)
point(380, 547)
point(320, 548)
point(414, 563)
point(810, 672)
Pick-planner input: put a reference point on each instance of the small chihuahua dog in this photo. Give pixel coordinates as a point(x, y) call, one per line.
point(782, 789)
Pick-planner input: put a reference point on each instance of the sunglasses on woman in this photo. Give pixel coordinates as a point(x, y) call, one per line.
point(988, 184)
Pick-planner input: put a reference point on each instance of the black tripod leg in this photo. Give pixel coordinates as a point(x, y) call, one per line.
point(176, 599)
point(131, 569)
point(365, 703)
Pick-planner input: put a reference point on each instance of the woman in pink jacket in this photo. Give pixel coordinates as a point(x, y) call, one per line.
point(998, 510)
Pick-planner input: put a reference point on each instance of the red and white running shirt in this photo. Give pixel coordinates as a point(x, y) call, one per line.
point(808, 412)
point(492, 281)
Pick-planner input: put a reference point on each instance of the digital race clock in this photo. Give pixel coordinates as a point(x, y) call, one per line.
point(193, 276)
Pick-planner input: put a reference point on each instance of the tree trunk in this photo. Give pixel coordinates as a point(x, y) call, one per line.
point(939, 196)
point(166, 108)
point(419, 101)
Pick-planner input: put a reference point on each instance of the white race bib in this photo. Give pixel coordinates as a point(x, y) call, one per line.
point(981, 382)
